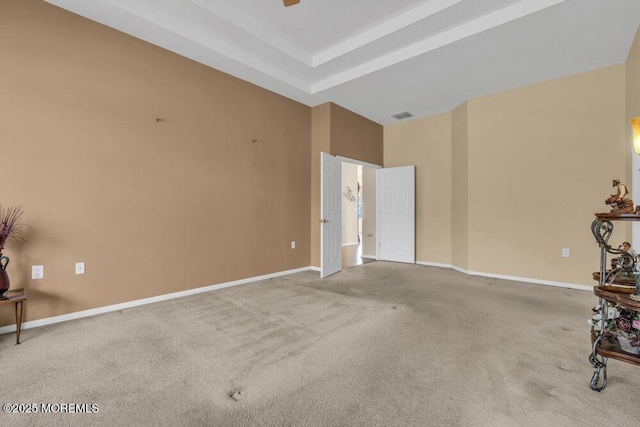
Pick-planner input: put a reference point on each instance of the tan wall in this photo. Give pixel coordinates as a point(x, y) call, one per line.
point(151, 207)
point(339, 132)
point(355, 137)
point(460, 187)
point(349, 207)
point(320, 142)
point(369, 211)
point(541, 161)
point(426, 143)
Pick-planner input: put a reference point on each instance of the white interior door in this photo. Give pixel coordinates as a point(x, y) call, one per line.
point(396, 214)
point(331, 215)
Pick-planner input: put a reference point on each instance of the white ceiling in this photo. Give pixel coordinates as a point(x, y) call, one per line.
point(380, 57)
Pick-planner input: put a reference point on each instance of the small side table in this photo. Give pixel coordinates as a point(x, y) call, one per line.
point(15, 296)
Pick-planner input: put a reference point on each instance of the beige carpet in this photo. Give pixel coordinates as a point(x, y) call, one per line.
point(381, 344)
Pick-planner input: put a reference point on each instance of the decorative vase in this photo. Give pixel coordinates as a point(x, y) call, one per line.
point(4, 278)
point(625, 345)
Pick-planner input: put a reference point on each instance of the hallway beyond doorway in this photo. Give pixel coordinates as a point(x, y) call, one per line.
point(352, 256)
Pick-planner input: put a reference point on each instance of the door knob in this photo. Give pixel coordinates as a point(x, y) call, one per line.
point(323, 221)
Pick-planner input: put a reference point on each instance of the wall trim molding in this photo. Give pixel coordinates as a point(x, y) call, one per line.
point(535, 281)
point(513, 278)
point(434, 264)
point(130, 304)
point(460, 269)
point(314, 268)
point(350, 244)
point(369, 256)
point(359, 162)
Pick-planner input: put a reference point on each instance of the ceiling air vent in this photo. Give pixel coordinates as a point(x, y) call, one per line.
point(403, 115)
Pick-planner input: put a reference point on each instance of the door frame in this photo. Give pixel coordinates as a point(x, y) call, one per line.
point(372, 166)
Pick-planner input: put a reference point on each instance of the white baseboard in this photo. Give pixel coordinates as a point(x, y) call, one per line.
point(318, 269)
point(135, 303)
point(514, 278)
point(434, 264)
point(461, 270)
point(535, 281)
point(350, 244)
point(369, 256)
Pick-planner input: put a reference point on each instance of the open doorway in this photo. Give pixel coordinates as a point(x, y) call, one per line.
point(388, 230)
point(358, 214)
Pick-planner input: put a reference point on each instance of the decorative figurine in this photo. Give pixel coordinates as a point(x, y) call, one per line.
point(620, 202)
point(626, 246)
point(627, 260)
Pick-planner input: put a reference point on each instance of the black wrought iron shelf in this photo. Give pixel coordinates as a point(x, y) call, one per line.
point(617, 217)
point(612, 350)
point(622, 281)
point(616, 286)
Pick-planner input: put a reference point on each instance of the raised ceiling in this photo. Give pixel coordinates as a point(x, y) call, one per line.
point(381, 57)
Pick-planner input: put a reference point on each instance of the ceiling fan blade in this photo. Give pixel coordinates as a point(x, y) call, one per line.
point(288, 3)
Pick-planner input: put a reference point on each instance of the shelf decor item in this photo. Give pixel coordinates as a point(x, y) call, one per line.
point(627, 346)
point(4, 277)
point(636, 296)
point(620, 202)
point(624, 326)
point(11, 229)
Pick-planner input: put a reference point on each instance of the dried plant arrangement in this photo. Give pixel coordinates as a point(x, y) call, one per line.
point(11, 226)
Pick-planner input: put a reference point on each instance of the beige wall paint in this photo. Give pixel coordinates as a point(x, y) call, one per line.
point(349, 208)
point(633, 80)
point(339, 132)
point(460, 187)
point(151, 207)
point(526, 170)
point(426, 143)
point(541, 161)
point(632, 73)
point(369, 212)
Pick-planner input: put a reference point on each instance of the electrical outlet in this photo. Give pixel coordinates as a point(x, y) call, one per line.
point(565, 252)
point(37, 272)
point(293, 244)
point(79, 267)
